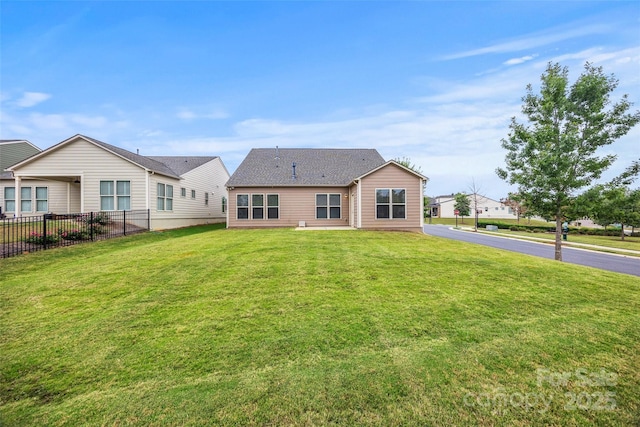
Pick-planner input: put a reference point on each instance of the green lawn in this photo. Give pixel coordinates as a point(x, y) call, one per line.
point(207, 326)
point(629, 243)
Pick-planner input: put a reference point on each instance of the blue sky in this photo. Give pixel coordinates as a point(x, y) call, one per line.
point(436, 82)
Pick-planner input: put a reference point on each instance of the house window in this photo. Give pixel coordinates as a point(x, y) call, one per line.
point(242, 202)
point(328, 206)
point(391, 203)
point(165, 197)
point(10, 199)
point(224, 204)
point(273, 206)
point(257, 206)
point(206, 198)
point(183, 192)
point(115, 195)
point(193, 194)
point(123, 195)
point(25, 199)
point(42, 200)
point(106, 196)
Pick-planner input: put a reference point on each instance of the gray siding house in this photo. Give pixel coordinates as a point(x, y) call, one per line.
point(82, 174)
point(324, 187)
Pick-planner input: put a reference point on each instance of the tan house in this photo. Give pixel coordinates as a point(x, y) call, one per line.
point(82, 174)
point(323, 188)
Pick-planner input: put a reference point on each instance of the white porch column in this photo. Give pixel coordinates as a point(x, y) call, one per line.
point(18, 211)
point(82, 192)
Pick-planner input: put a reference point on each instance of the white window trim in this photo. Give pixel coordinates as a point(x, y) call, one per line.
point(277, 206)
point(328, 205)
point(390, 204)
point(39, 200)
point(165, 198)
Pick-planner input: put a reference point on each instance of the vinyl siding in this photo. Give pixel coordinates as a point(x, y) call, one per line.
point(56, 195)
point(93, 164)
point(391, 176)
point(14, 152)
point(296, 204)
point(208, 178)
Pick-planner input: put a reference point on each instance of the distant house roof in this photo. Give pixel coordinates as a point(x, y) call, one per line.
point(313, 167)
point(172, 166)
point(13, 151)
point(182, 164)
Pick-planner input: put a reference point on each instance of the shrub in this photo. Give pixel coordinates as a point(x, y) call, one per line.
point(42, 239)
point(73, 234)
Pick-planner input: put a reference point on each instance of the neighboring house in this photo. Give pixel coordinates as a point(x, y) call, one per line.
point(324, 187)
point(444, 207)
point(82, 174)
point(12, 151)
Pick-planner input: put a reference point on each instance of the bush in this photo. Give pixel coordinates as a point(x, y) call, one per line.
point(42, 239)
point(73, 234)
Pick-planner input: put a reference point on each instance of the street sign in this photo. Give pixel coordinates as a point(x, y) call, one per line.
point(456, 212)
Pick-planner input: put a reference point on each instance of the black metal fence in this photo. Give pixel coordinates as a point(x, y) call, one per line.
point(36, 233)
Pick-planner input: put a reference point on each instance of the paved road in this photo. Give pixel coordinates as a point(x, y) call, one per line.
point(617, 263)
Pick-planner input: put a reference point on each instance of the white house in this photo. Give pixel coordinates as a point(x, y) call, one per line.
point(82, 174)
point(443, 207)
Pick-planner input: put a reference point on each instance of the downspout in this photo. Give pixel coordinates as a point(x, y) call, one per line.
point(359, 203)
point(147, 191)
point(422, 202)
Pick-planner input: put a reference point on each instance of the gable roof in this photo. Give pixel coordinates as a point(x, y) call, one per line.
point(171, 166)
point(13, 151)
point(393, 162)
point(273, 167)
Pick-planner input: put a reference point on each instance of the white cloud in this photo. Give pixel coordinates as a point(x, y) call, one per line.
point(30, 99)
point(531, 41)
point(521, 60)
point(210, 114)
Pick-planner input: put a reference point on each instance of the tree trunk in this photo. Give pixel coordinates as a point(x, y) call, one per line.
point(558, 251)
point(621, 231)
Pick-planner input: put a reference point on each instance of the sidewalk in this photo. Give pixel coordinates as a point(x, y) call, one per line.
point(551, 242)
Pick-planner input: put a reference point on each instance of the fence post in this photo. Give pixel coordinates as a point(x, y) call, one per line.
point(124, 222)
point(148, 219)
point(44, 231)
point(91, 225)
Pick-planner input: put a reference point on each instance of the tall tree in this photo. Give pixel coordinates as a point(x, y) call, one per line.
point(553, 154)
point(407, 163)
point(462, 204)
point(514, 202)
point(607, 204)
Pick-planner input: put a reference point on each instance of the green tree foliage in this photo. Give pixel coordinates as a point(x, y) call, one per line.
point(462, 204)
point(606, 205)
point(514, 202)
point(407, 163)
point(554, 153)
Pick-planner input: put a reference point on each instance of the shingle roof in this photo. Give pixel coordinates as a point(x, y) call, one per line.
point(173, 166)
point(144, 161)
point(182, 164)
point(314, 167)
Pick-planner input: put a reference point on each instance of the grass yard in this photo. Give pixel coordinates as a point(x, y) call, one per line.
point(207, 326)
point(613, 242)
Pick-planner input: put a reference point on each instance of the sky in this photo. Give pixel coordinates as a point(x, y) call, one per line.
point(434, 82)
